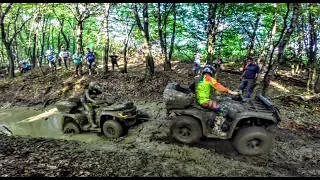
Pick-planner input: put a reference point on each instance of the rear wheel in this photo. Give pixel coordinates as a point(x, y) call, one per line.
point(71, 127)
point(252, 141)
point(112, 129)
point(186, 130)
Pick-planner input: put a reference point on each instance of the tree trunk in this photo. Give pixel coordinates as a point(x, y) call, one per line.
point(312, 52)
point(161, 37)
point(34, 62)
point(79, 35)
point(252, 39)
point(271, 41)
point(106, 45)
point(211, 33)
point(145, 33)
point(282, 44)
point(64, 35)
point(317, 85)
point(125, 49)
point(172, 36)
point(52, 39)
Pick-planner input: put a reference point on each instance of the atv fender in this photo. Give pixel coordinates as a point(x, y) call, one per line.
point(77, 118)
point(114, 114)
point(199, 115)
point(251, 115)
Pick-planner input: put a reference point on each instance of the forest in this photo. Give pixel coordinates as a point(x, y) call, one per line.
point(155, 44)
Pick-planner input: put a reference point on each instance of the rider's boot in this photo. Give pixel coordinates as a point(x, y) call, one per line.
point(217, 127)
point(91, 121)
point(219, 120)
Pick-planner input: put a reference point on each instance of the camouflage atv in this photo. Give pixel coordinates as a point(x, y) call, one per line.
point(246, 121)
point(112, 120)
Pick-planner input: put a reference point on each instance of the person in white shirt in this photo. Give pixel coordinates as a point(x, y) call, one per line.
point(65, 55)
point(196, 62)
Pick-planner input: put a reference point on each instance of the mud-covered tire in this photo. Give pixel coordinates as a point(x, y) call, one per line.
point(186, 130)
point(71, 127)
point(112, 129)
point(252, 141)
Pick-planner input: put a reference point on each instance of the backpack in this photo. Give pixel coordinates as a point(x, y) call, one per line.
point(90, 56)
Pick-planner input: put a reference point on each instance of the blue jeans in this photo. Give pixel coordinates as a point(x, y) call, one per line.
point(196, 67)
point(249, 84)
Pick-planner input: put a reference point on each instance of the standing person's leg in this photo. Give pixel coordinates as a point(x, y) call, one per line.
point(54, 66)
point(50, 65)
point(90, 67)
point(77, 67)
point(112, 65)
point(250, 87)
point(243, 85)
point(117, 64)
point(196, 68)
point(80, 66)
point(65, 63)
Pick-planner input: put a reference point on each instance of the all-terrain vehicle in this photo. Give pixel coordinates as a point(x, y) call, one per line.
point(246, 121)
point(112, 120)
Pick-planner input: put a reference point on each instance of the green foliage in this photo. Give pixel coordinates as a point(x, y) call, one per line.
point(191, 27)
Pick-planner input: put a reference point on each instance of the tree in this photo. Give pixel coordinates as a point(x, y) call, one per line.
point(5, 39)
point(106, 45)
point(215, 12)
point(281, 44)
point(145, 33)
point(81, 12)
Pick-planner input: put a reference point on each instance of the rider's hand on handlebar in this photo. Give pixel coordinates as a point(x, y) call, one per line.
point(235, 93)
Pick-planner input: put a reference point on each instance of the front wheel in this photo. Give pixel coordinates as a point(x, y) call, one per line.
point(112, 129)
point(186, 130)
point(71, 127)
point(252, 141)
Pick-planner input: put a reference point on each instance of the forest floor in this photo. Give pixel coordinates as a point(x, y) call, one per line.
point(147, 150)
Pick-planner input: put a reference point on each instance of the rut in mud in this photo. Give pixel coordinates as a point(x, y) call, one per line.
point(148, 151)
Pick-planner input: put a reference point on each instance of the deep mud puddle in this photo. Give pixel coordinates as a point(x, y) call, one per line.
point(35, 123)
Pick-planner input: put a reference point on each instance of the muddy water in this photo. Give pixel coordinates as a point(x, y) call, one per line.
point(21, 121)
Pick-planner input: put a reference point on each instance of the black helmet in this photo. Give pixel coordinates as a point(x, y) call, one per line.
point(208, 69)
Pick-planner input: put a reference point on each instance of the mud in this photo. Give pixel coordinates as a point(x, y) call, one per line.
point(145, 151)
point(37, 147)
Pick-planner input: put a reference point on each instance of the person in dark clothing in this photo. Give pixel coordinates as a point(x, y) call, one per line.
point(114, 61)
point(249, 76)
point(90, 100)
point(90, 56)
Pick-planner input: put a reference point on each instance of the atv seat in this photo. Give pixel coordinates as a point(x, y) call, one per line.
point(201, 108)
point(119, 106)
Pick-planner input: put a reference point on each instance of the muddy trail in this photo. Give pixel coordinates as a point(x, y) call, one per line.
point(38, 148)
point(147, 150)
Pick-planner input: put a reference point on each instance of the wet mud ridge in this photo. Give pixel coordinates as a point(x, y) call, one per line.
point(148, 151)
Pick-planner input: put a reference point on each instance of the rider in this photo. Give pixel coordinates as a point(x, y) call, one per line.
point(90, 100)
point(52, 59)
point(203, 87)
